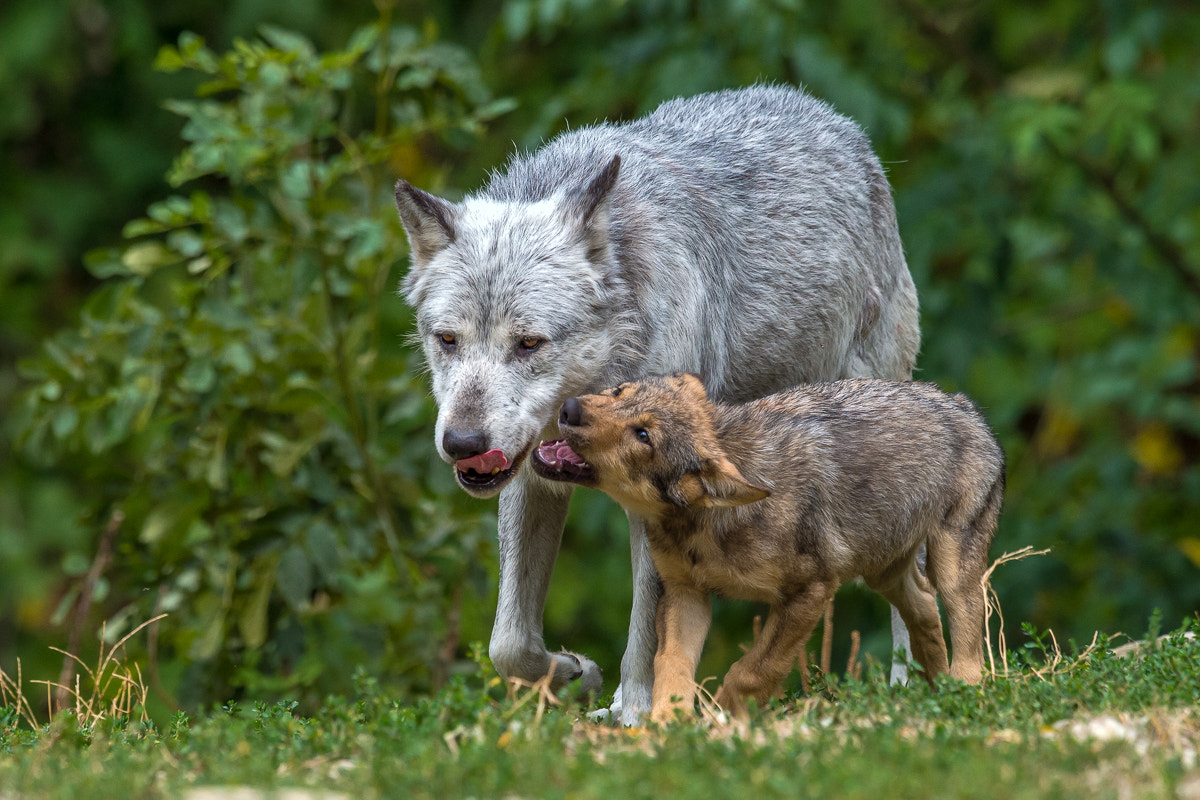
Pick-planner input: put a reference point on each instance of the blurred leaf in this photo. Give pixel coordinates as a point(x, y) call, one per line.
point(294, 576)
point(253, 621)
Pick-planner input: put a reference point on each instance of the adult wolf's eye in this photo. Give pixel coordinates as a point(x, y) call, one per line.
point(447, 339)
point(642, 435)
point(529, 344)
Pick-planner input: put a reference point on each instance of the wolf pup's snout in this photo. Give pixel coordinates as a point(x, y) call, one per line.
point(571, 413)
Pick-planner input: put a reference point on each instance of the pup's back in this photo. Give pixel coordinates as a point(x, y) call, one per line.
point(872, 464)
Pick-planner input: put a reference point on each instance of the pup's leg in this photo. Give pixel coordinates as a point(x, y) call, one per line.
point(684, 614)
point(761, 671)
point(959, 581)
point(532, 513)
point(883, 355)
point(957, 563)
point(911, 593)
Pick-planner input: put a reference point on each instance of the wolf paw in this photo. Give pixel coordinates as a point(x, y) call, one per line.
point(582, 669)
point(623, 712)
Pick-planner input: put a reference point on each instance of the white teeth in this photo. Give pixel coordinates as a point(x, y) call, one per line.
point(495, 470)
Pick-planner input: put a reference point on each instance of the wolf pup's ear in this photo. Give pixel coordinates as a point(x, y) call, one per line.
point(691, 382)
point(428, 221)
point(590, 208)
point(723, 486)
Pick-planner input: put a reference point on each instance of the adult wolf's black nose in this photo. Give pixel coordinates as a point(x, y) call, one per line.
point(572, 412)
point(464, 444)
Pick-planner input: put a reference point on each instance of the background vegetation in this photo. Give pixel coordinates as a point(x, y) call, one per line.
point(216, 413)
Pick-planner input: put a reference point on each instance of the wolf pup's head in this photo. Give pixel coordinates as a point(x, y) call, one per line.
point(650, 445)
point(513, 304)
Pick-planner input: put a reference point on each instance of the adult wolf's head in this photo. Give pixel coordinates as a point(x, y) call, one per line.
point(515, 304)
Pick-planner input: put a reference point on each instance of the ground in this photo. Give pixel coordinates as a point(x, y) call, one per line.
point(1091, 723)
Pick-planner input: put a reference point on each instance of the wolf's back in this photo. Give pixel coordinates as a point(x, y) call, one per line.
point(728, 135)
point(739, 212)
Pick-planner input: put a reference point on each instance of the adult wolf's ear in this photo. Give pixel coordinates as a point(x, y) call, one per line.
point(717, 484)
point(590, 208)
point(428, 221)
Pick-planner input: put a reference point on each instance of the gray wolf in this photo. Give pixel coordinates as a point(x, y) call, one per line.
point(783, 499)
point(747, 235)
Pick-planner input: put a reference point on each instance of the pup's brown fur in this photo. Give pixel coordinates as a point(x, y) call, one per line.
point(784, 499)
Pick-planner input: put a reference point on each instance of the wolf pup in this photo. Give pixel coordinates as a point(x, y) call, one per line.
point(746, 235)
point(782, 500)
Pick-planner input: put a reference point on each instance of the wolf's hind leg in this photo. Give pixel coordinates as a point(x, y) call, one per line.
point(958, 576)
point(957, 563)
point(911, 594)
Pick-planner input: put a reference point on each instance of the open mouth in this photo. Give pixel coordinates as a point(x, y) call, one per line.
point(487, 470)
point(557, 461)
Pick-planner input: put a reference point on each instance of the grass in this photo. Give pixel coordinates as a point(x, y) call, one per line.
point(1086, 723)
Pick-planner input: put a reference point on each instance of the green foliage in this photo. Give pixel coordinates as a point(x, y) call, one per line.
point(237, 386)
point(84, 144)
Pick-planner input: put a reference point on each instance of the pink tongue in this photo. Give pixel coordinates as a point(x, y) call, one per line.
point(483, 463)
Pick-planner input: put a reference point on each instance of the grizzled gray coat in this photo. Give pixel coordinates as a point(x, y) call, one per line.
point(748, 236)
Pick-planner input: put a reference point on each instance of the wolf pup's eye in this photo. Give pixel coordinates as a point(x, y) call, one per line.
point(529, 344)
point(642, 435)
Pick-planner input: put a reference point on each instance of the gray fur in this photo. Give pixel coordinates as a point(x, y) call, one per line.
point(748, 236)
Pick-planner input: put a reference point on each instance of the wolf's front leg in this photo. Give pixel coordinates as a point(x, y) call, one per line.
point(532, 513)
point(634, 695)
point(684, 616)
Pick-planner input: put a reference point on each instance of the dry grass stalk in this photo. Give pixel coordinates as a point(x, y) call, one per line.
point(853, 668)
point(991, 604)
point(1056, 660)
point(116, 690)
point(802, 663)
point(720, 723)
point(826, 662)
point(83, 606)
point(539, 689)
point(827, 640)
point(12, 694)
point(757, 630)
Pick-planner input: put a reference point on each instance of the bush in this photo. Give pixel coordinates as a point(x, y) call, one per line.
point(238, 386)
